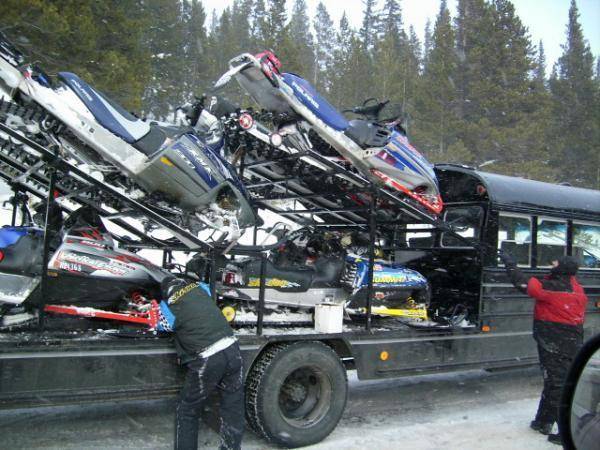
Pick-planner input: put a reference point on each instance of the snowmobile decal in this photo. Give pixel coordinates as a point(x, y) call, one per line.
point(195, 162)
point(71, 258)
point(272, 282)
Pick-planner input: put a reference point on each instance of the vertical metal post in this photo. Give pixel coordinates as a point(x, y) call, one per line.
point(261, 294)
point(13, 221)
point(254, 235)
point(213, 274)
point(48, 234)
point(372, 238)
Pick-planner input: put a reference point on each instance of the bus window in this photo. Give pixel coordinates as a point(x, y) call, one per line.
point(422, 238)
point(551, 241)
point(466, 220)
point(514, 237)
point(586, 245)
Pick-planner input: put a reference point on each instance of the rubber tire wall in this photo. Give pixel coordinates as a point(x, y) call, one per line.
point(265, 379)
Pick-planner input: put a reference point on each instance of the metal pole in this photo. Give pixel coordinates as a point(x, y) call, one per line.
point(213, 274)
point(261, 294)
point(372, 238)
point(48, 234)
point(13, 221)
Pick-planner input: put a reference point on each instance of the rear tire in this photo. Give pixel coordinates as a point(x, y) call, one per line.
point(296, 393)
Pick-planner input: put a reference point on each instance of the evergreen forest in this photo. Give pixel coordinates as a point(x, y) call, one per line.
point(476, 90)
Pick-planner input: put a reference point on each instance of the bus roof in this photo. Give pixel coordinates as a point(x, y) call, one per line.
point(460, 183)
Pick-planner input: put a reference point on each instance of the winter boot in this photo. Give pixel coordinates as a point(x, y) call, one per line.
point(544, 428)
point(555, 439)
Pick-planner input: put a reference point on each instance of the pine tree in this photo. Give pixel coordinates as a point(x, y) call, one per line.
point(165, 40)
point(260, 25)
point(576, 108)
point(390, 20)
point(297, 50)
point(427, 42)
point(539, 74)
point(324, 46)
point(80, 37)
point(369, 26)
point(276, 21)
point(390, 51)
point(196, 55)
point(436, 128)
point(340, 94)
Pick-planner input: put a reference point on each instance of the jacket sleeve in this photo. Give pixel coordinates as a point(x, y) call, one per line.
point(535, 290)
point(517, 278)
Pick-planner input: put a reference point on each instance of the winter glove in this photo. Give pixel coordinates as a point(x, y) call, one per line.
point(507, 259)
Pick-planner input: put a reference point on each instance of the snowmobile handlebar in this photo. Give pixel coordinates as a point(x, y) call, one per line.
point(370, 112)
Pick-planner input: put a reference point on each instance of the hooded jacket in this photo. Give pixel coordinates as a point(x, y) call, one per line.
point(559, 298)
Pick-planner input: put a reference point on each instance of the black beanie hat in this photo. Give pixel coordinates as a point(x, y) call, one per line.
point(567, 265)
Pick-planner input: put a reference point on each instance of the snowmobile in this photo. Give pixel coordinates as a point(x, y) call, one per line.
point(87, 275)
point(176, 170)
point(324, 267)
point(378, 149)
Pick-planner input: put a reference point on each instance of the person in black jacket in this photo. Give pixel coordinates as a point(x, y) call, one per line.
point(558, 315)
point(211, 356)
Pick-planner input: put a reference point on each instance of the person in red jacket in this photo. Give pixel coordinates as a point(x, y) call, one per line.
point(558, 316)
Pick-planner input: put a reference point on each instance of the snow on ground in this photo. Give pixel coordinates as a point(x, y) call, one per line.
point(463, 411)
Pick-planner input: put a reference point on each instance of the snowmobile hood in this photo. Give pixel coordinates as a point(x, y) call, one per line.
point(386, 274)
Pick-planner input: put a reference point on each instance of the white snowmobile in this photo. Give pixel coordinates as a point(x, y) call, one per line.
point(379, 151)
point(178, 171)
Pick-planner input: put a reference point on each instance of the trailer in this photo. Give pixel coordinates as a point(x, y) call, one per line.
point(296, 383)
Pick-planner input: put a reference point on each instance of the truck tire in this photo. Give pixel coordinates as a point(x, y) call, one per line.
point(296, 393)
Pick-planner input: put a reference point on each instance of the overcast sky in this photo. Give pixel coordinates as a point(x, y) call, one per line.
point(546, 19)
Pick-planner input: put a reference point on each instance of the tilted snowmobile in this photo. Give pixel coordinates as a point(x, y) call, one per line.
point(311, 268)
point(380, 151)
point(87, 274)
point(176, 170)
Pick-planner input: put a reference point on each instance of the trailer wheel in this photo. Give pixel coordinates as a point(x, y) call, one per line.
point(296, 393)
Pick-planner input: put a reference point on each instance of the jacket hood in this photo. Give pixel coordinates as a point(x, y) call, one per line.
point(567, 265)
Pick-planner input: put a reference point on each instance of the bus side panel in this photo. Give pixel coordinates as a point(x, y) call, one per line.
point(505, 309)
point(441, 353)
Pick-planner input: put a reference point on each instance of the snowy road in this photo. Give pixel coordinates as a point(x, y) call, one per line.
point(467, 410)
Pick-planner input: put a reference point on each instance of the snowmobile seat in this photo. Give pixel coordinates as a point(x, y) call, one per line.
point(108, 113)
point(320, 107)
point(368, 134)
point(153, 141)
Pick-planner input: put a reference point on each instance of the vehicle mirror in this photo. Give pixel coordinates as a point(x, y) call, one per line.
point(579, 412)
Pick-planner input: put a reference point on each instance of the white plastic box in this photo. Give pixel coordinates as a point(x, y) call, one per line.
point(329, 317)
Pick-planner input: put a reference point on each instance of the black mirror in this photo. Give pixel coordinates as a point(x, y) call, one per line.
point(579, 412)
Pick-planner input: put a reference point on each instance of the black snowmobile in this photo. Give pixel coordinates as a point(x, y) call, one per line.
point(312, 267)
point(87, 274)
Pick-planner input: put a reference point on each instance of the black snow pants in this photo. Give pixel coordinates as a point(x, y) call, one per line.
point(224, 372)
point(557, 346)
